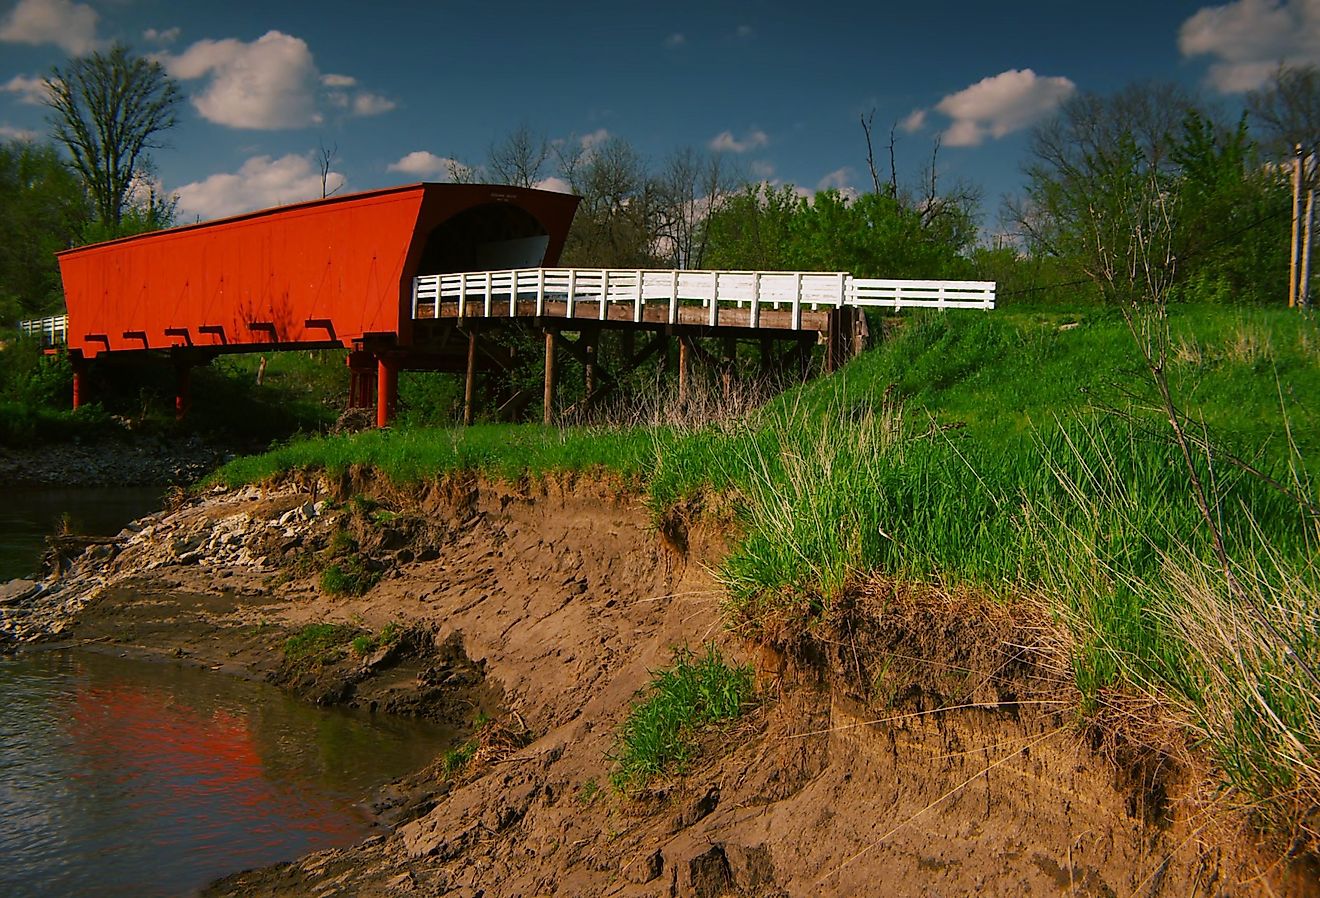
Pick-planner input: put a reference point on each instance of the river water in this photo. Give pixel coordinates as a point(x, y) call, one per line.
point(122, 777)
point(133, 778)
point(29, 514)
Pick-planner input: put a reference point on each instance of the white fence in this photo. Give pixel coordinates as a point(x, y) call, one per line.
point(481, 293)
point(53, 331)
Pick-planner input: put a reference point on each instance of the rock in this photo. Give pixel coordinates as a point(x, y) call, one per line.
point(706, 875)
point(16, 591)
point(643, 868)
point(751, 868)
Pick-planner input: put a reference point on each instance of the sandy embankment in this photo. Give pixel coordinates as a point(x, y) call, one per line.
point(910, 745)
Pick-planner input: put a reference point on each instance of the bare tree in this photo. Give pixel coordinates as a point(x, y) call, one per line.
point(693, 186)
point(325, 158)
point(108, 109)
point(1287, 110)
point(520, 158)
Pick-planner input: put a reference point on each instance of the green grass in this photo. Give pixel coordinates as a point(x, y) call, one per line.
point(661, 732)
point(318, 642)
point(348, 576)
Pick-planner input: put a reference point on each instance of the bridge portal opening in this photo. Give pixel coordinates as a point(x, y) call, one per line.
point(493, 236)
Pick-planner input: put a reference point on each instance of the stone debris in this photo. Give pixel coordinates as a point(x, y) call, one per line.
point(219, 532)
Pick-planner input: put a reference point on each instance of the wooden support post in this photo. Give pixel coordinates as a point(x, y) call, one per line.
point(768, 356)
point(589, 365)
point(387, 389)
point(550, 374)
point(684, 367)
point(728, 357)
point(470, 380)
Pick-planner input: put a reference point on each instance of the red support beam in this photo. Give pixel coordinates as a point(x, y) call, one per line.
point(387, 389)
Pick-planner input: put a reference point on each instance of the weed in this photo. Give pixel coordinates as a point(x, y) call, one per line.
point(348, 577)
point(660, 733)
point(318, 643)
point(589, 791)
point(454, 760)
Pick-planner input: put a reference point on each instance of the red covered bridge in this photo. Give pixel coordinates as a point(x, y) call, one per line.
point(421, 276)
point(335, 272)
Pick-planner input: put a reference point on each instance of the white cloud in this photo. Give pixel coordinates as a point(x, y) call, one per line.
point(915, 121)
point(558, 185)
point(260, 182)
point(9, 132)
point(677, 39)
point(1000, 105)
point(1247, 39)
point(162, 36)
point(30, 90)
point(365, 104)
point(726, 142)
point(267, 84)
point(70, 26)
point(840, 179)
point(594, 139)
point(270, 83)
point(428, 165)
point(763, 169)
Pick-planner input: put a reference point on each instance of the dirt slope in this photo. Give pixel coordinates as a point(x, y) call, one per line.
point(908, 746)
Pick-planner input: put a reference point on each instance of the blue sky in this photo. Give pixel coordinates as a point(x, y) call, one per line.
point(779, 86)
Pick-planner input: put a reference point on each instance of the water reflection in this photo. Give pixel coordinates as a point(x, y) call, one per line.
point(30, 514)
point(129, 778)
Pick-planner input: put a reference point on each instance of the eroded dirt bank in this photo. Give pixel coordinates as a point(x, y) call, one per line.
point(909, 745)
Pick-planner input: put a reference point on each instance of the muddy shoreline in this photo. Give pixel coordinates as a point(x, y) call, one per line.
point(909, 744)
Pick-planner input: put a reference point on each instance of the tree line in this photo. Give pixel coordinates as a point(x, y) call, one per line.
point(1220, 187)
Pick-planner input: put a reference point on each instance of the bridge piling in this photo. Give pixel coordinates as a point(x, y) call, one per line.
point(550, 377)
point(387, 389)
point(79, 365)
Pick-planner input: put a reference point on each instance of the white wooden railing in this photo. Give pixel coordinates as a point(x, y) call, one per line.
point(481, 293)
point(53, 331)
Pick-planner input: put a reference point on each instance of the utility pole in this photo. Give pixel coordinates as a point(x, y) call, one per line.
point(1296, 220)
point(1304, 288)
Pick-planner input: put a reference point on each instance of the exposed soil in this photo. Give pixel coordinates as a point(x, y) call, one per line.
point(910, 744)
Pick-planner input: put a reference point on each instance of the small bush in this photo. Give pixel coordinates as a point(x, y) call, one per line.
point(348, 577)
point(660, 734)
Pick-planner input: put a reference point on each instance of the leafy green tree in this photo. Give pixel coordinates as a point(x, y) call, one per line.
point(1232, 211)
point(42, 210)
point(108, 111)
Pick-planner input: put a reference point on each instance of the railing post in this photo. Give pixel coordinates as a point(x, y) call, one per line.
point(673, 297)
point(540, 292)
point(462, 296)
point(485, 308)
point(572, 289)
point(755, 315)
point(637, 306)
point(839, 304)
point(604, 294)
point(715, 301)
point(513, 293)
point(797, 300)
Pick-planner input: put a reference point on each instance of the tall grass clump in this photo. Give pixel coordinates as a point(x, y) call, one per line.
point(661, 732)
point(1227, 641)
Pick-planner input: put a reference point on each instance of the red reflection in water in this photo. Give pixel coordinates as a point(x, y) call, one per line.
point(182, 756)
